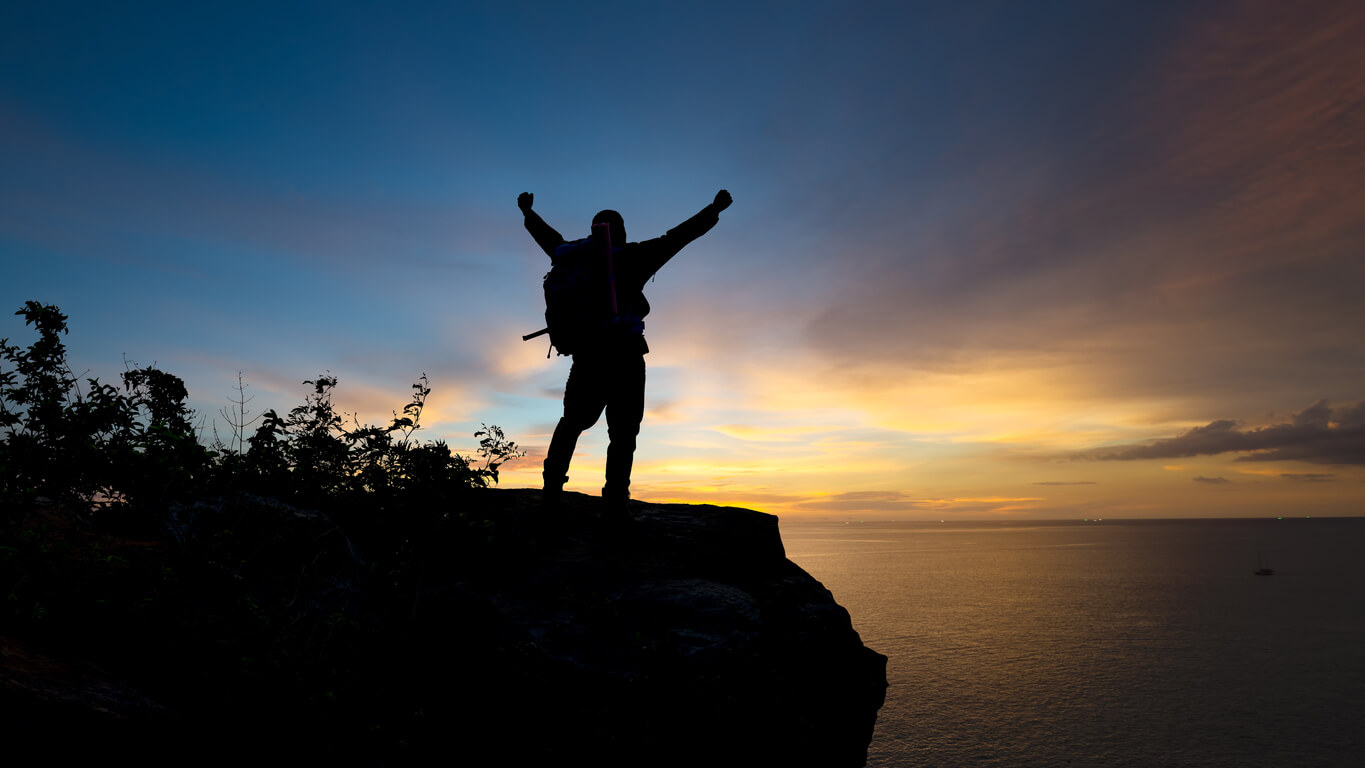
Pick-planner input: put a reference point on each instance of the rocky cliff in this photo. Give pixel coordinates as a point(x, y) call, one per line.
point(683, 637)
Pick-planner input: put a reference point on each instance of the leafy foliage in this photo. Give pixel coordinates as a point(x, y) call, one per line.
point(308, 501)
point(138, 446)
point(91, 446)
point(131, 454)
point(387, 489)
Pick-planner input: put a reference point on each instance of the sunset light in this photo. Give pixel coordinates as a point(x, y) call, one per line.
point(1109, 266)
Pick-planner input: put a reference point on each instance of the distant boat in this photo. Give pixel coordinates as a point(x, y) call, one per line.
point(1261, 568)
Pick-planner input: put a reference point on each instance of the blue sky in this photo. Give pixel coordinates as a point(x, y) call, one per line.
point(974, 246)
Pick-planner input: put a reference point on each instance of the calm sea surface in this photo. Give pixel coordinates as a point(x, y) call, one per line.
point(1123, 643)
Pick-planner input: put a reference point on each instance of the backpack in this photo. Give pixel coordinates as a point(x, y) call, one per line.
point(577, 305)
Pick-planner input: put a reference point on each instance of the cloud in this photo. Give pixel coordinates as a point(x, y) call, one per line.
point(1308, 477)
point(1203, 229)
point(1317, 435)
point(1211, 480)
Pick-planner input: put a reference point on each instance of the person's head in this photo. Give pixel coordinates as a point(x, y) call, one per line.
point(616, 224)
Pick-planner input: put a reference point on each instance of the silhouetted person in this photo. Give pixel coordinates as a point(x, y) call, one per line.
point(608, 371)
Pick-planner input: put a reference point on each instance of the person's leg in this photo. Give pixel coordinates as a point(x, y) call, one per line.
point(625, 411)
point(584, 398)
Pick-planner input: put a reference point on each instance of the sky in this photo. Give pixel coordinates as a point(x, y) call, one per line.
point(1084, 259)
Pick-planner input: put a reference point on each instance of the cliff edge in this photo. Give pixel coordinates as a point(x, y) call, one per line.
point(682, 637)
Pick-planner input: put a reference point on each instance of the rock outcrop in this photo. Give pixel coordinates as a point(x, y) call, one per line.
point(685, 638)
point(682, 637)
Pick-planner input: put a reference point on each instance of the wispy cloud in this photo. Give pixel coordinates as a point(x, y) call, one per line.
point(1204, 229)
point(1308, 477)
point(1318, 435)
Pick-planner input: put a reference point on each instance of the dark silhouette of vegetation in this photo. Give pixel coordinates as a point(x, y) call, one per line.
point(96, 446)
point(186, 560)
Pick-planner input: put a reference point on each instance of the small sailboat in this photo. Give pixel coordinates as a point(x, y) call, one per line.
point(1262, 569)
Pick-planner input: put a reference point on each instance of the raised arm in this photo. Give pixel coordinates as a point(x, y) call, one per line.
point(545, 235)
point(662, 249)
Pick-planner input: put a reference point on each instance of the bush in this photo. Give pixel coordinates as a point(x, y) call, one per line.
point(93, 446)
point(136, 449)
point(253, 605)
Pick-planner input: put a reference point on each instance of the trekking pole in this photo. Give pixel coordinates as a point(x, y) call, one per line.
point(611, 270)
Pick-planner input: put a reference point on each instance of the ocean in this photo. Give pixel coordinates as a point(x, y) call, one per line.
point(1106, 643)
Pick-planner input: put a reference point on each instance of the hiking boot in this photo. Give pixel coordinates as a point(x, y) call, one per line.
point(616, 505)
point(553, 493)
